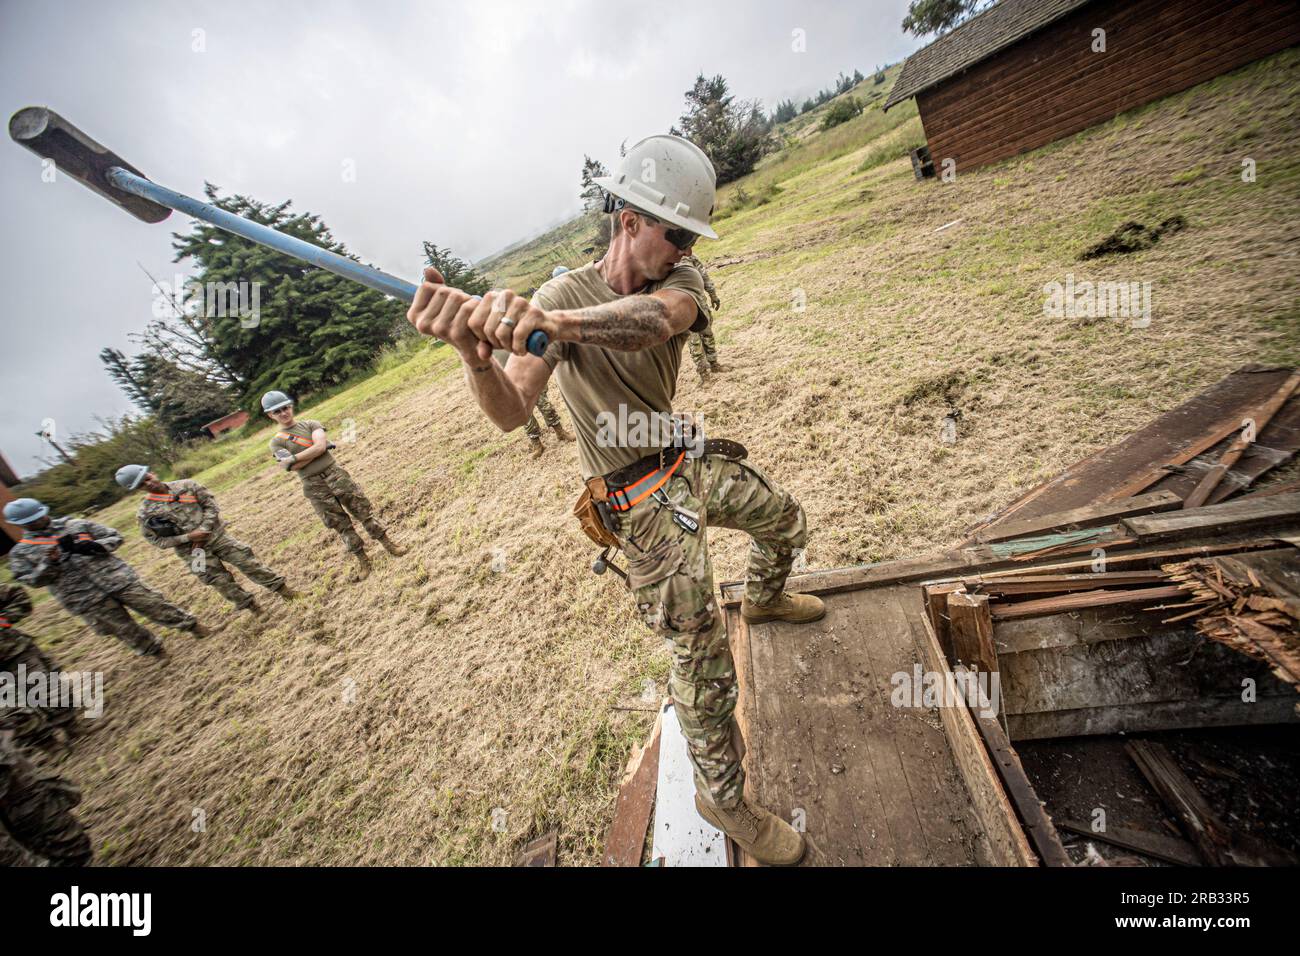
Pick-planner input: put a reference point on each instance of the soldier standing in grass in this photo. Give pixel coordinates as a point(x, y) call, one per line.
point(32, 726)
point(183, 515)
point(704, 350)
point(617, 328)
point(304, 448)
point(72, 557)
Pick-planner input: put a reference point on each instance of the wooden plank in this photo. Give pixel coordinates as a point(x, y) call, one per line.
point(636, 798)
point(1033, 817)
point(540, 852)
point(1042, 607)
point(940, 566)
point(1002, 837)
point(1087, 516)
point(936, 607)
point(1128, 467)
point(1089, 626)
point(1202, 825)
point(1280, 488)
point(905, 745)
point(1149, 717)
point(1258, 418)
point(1064, 583)
point(681, 835)
point(1158, 846)
point(1278, 570)
point(971, 625)
point(1236, 514)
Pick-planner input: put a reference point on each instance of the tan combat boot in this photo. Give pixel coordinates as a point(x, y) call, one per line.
point(791, 608)
point(561, 434)
point(764, 836)
point(392, 547)
point(538, 447)
point(362, 570)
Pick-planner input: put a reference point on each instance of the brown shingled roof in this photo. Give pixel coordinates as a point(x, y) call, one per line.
point(977, 39)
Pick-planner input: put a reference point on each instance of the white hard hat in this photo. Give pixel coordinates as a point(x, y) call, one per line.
point(671, 179)
point(23, 511)
point(130, 476)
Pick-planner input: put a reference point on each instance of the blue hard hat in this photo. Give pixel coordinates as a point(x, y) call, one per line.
point(23, 511)
point(559, 271)
point(273, 400)
point(130, 476)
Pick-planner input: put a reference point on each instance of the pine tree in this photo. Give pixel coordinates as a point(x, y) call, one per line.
point(457, 273)
point(592, 169)
point(313, 328)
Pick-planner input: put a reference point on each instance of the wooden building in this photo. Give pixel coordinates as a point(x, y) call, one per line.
point(1026, 72)
point(226, 423)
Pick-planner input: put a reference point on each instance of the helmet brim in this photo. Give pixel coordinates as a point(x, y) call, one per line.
point(611, 185)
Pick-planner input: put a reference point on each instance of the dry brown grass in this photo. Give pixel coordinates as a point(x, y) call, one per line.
point(476, 689)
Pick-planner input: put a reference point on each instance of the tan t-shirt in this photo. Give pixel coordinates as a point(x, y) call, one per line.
point(620, 401)
point(297, 438)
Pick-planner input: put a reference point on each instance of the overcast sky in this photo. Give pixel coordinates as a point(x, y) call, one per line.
point(465, 124)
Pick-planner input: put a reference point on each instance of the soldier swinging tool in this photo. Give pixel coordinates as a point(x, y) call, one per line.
point(617, 328)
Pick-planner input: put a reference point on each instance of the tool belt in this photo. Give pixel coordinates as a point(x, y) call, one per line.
point(627, 487)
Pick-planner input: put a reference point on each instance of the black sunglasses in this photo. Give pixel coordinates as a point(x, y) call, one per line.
point(683, 239)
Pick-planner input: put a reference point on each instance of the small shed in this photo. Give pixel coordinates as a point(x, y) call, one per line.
point(226, 423)
point(1026, 72)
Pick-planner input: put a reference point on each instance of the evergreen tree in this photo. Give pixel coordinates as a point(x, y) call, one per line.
point(457, 273)
point(592, 169)
point(785, 111)
point(313, 328)
point(733, 134)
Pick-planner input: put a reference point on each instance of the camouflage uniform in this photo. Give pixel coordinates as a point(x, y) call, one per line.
point(671, 577)
point(97, 587)
point(549, 415)
point(704, 350)
point(188, 506)
point(35, 814)
point(330, 489)
point(31, 726)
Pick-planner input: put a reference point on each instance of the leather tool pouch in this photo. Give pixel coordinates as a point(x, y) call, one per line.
point(587, 512)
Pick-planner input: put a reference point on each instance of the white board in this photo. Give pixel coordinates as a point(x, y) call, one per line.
point(682, 837)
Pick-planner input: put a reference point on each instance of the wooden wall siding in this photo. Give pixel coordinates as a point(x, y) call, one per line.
point(1051, 84)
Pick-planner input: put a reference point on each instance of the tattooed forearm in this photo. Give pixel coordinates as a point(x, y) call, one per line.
point(636, 322)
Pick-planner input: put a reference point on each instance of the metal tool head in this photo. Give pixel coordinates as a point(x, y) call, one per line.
point(50, 136)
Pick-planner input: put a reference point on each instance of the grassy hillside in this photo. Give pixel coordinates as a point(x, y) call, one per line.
point(384, 722)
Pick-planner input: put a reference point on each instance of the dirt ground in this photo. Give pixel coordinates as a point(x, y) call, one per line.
point(468, 697)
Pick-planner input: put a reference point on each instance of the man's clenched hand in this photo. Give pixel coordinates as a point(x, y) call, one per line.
point(474, 326)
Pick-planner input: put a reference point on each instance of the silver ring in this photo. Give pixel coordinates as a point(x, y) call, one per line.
point(508, 323)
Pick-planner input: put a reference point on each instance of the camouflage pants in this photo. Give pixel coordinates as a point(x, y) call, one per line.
point(31, 726)
point(549, 415)
point(208, 563)
point(111, 617)
point(36, 814)
point(704, 350)
point(335, 496)
point(671, 577)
